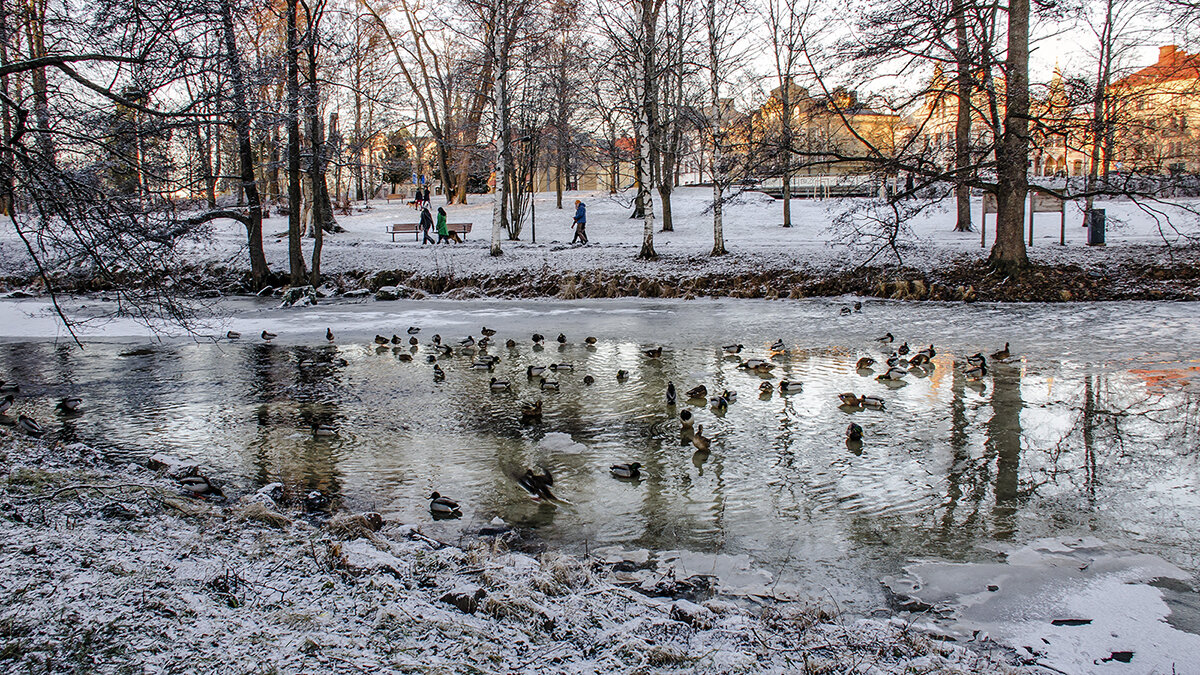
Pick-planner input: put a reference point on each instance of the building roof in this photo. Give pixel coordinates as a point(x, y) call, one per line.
point(1173, 64)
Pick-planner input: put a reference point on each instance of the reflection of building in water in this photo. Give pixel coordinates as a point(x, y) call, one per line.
point(1167, 379)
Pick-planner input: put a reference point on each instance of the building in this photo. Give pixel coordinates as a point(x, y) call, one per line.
point(1157, 115)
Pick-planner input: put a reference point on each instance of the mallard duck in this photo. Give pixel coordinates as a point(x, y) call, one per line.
point(445, 350)
point(483, 364)
point(439, 505)
point(700, 441)
point(929, 353)
point(534, 371)
point(589, 380)
point(902, 350)
point(233, 335)
point(549, 385)
point(413, 330)
point(653, 353)
point(854, 432)
point(730, 395)
point(864, 363)
point(68, 404)
point(7, 403)
point(436, 340)
point(486, 332)
point(857, 306)
point(762, 367)
point(732, 349)
point(413, 342)
point(975, 359)
point(788, 387)
point(268, 336)
point(766, 388)
point(532, 411)
point(919, 359)
point(561, 366)
point(778, 346)
point(468, 341)
point(537, 486)
point(324, 431)
point(404, 357)
point(200, 486)
point(719, 403)
point(698, 391)
point(976, 372)
point(886, 338)
point(846, 310)
point(590, 340)
point(894, 373)
point(687, 419)
point(630, 470)
point(1002, 354)
point(538, 338)
point(438, 373)
point(849, 399)
point(510, 343)
point(380, 340)
point(562, 339)
point(622, 375)
point(329, 334)
point(871, 401)
point(499, 385)
point(484, 342)
point(670, 393)
point(29, 425)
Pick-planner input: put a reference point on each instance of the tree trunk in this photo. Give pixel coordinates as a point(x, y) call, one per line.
point(786, 120)
point(6, 187)
point(1008, 253)
point(35, 31)
point(962, 127)
point(501, 164)
point(648, 18)
point(241, 124)
point(295, 194)
point(1098, 109)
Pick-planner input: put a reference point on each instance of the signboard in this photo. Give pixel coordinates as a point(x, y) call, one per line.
point(1045, 202)
point(990, 205)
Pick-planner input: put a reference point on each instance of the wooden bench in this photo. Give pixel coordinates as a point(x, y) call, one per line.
point(413, 228)
point(396, 195)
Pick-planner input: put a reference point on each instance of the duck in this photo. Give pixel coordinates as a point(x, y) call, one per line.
point(430, 358)
point(687, 419)
point(404, 356)
point(324, 430)
point(864, 363)
point(846, 310)
point(698, 391)
point(732, 349)
point(510, 343)
point(549, 385)
point(380, 340)
point(329, 334)
point(929, 353)
point(438, 373)
point(537, 486)
point(857, 306)
point(531, 411)
point(482, 365)
point(486, 332)
point(788, 386)
point(589, 380)
point(622, 375)
point(670, 393)
point(561, 366)
point(730, 395)
point(894, 373)
point(200, 486)
point(719, 403)
point(976, 372)
point(9, 387)
point(766, 388)
point(30, 425)
point(700, 441)
point(902, 350)
point(468, 341)
point(538, 338)
point(562, 339)
point(436, 340)
point(887, 338)
point(778, 346)
point(919, 359)
point(413, 330)
point(849, 399)
point(441, 506)
point(534, 371)
point(631, 470)
point(446, 350)
point(758, 366)
point(1002, 354)
point(413, 342)
point(871, 401)
point(233, 335)
point(484, 342)
point(975, 359)
point(854, 432)
point(268, 336)
point(590, 340)
point(68, 404)
point(6, 403)
point(653, 353)
point(499, 385)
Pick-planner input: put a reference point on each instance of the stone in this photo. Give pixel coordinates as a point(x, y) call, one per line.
point(690, 613)
point(466, 598)
point(357, 293)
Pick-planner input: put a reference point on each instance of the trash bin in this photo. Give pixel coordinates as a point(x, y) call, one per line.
point(1096, 227)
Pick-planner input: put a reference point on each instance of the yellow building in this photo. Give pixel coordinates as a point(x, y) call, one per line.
point(1158, 115)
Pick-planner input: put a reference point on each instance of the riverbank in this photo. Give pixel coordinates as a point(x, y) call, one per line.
point(109, 566)
point(1146, 257)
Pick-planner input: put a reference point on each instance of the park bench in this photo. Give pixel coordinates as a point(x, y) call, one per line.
point(412, 228)
point(396, 195)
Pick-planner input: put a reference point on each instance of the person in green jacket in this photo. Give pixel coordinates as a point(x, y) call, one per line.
point(444, 233)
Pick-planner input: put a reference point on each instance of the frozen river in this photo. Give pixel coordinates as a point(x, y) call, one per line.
point(1089, 429)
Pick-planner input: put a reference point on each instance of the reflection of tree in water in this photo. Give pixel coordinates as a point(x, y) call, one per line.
point(1004, 443)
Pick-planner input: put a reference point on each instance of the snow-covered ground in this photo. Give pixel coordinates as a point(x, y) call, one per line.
point(109, 569)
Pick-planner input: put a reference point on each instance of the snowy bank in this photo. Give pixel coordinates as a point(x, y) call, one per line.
point(108, 568)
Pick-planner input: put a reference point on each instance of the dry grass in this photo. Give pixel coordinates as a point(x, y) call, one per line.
point(262, 514)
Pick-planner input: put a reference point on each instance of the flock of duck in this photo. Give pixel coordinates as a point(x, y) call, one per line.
point(901, 362)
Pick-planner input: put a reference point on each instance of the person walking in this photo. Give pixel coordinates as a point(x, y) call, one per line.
point(426, 226)
point(580, 223)
point(443, 230)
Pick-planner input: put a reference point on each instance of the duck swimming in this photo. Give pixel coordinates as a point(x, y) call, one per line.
point(1002, 354)
point(29, 425)
point(590, 340)
point(976, 372)
point(439, 505)
point(233, 335)
point(778, 346)
point(532, 412)
point(413, 330)
point(266, 336)
point(854, 432)
point(886, 338)
point(893, 374)
point(380, 340)
point(588, 379)
point(537, 486)
point(699, 391)
point(631, 470)
point(670, 393)
point(622, 375)
point(329, 334)
point(562, 339)
point(653, 353)
point(788, 387)
point(732, 349)
point(864, 363)
point(534, 371)
point(6, 403)
point(700, 441)
point(549, 385)
point(498, 385)
point(486, 332)
point(510, 343)
point(69, 404)
point(538, 338)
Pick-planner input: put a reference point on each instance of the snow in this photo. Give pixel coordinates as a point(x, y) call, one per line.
point(173, 584)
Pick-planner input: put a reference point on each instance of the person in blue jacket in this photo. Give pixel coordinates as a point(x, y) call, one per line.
point(580, 223)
